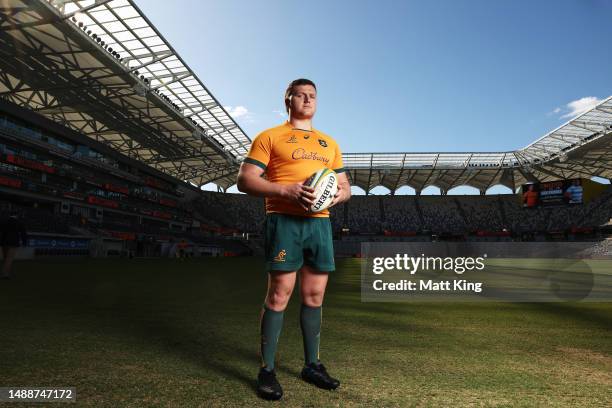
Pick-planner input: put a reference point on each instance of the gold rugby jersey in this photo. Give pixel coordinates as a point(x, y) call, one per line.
point(289, 156)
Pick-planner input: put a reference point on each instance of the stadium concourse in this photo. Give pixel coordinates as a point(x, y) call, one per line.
point(106, 143)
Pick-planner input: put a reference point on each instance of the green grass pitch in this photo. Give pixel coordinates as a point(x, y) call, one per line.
point(145, 333)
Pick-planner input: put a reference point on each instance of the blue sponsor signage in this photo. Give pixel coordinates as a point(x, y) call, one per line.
point(63, 243)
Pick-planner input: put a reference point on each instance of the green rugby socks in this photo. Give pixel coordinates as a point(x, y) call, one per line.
point(271, 325)
point(310, 321)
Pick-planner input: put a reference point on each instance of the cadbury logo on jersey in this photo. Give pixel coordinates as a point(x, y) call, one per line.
point(302, 154)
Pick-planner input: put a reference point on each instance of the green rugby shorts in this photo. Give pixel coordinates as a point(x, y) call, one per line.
point(292, 241)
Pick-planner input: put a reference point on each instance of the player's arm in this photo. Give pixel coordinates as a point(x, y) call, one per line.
point(344, 190)
point(250, 181)
point(344, 187)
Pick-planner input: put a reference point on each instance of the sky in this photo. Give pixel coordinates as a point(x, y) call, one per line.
point(400, 76)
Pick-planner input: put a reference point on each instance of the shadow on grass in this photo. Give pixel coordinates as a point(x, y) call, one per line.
point(214, 353)
point(581, 312)
point(145, 309)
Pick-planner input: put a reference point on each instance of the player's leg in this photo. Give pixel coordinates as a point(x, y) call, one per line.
point(318, 262)
point(312, 291)
point(280, 287)
point(283, 258)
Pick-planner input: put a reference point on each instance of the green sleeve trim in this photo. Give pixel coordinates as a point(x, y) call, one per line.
point(255, 162)
point(340, 170)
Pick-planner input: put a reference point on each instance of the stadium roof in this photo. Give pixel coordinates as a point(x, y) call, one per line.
point(101, 68)
point(582, 147)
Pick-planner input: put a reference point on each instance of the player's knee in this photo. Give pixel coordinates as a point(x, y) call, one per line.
point(277, 300)
point(312, 299)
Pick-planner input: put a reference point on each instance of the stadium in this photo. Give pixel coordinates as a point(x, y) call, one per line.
point(107, 138)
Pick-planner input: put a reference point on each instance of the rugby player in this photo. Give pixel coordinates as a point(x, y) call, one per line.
point(296, 240)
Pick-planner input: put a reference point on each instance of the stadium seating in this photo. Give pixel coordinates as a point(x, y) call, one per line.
point(467, 215)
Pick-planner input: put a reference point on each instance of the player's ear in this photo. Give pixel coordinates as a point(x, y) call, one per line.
point(288, 104)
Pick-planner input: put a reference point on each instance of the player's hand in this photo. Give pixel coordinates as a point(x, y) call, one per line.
point(340, 196)
point(299, 193)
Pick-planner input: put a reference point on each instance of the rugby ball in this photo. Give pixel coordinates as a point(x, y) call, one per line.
point(325, 184)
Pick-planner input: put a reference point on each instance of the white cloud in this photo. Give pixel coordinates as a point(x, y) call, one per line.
point(577, 107)
point(237, 111)
point(280, 113)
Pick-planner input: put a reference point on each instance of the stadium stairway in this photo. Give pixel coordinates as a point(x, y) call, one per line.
point(461, 210)
point(547, 219)
point(502, 211)
point(419, 211)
